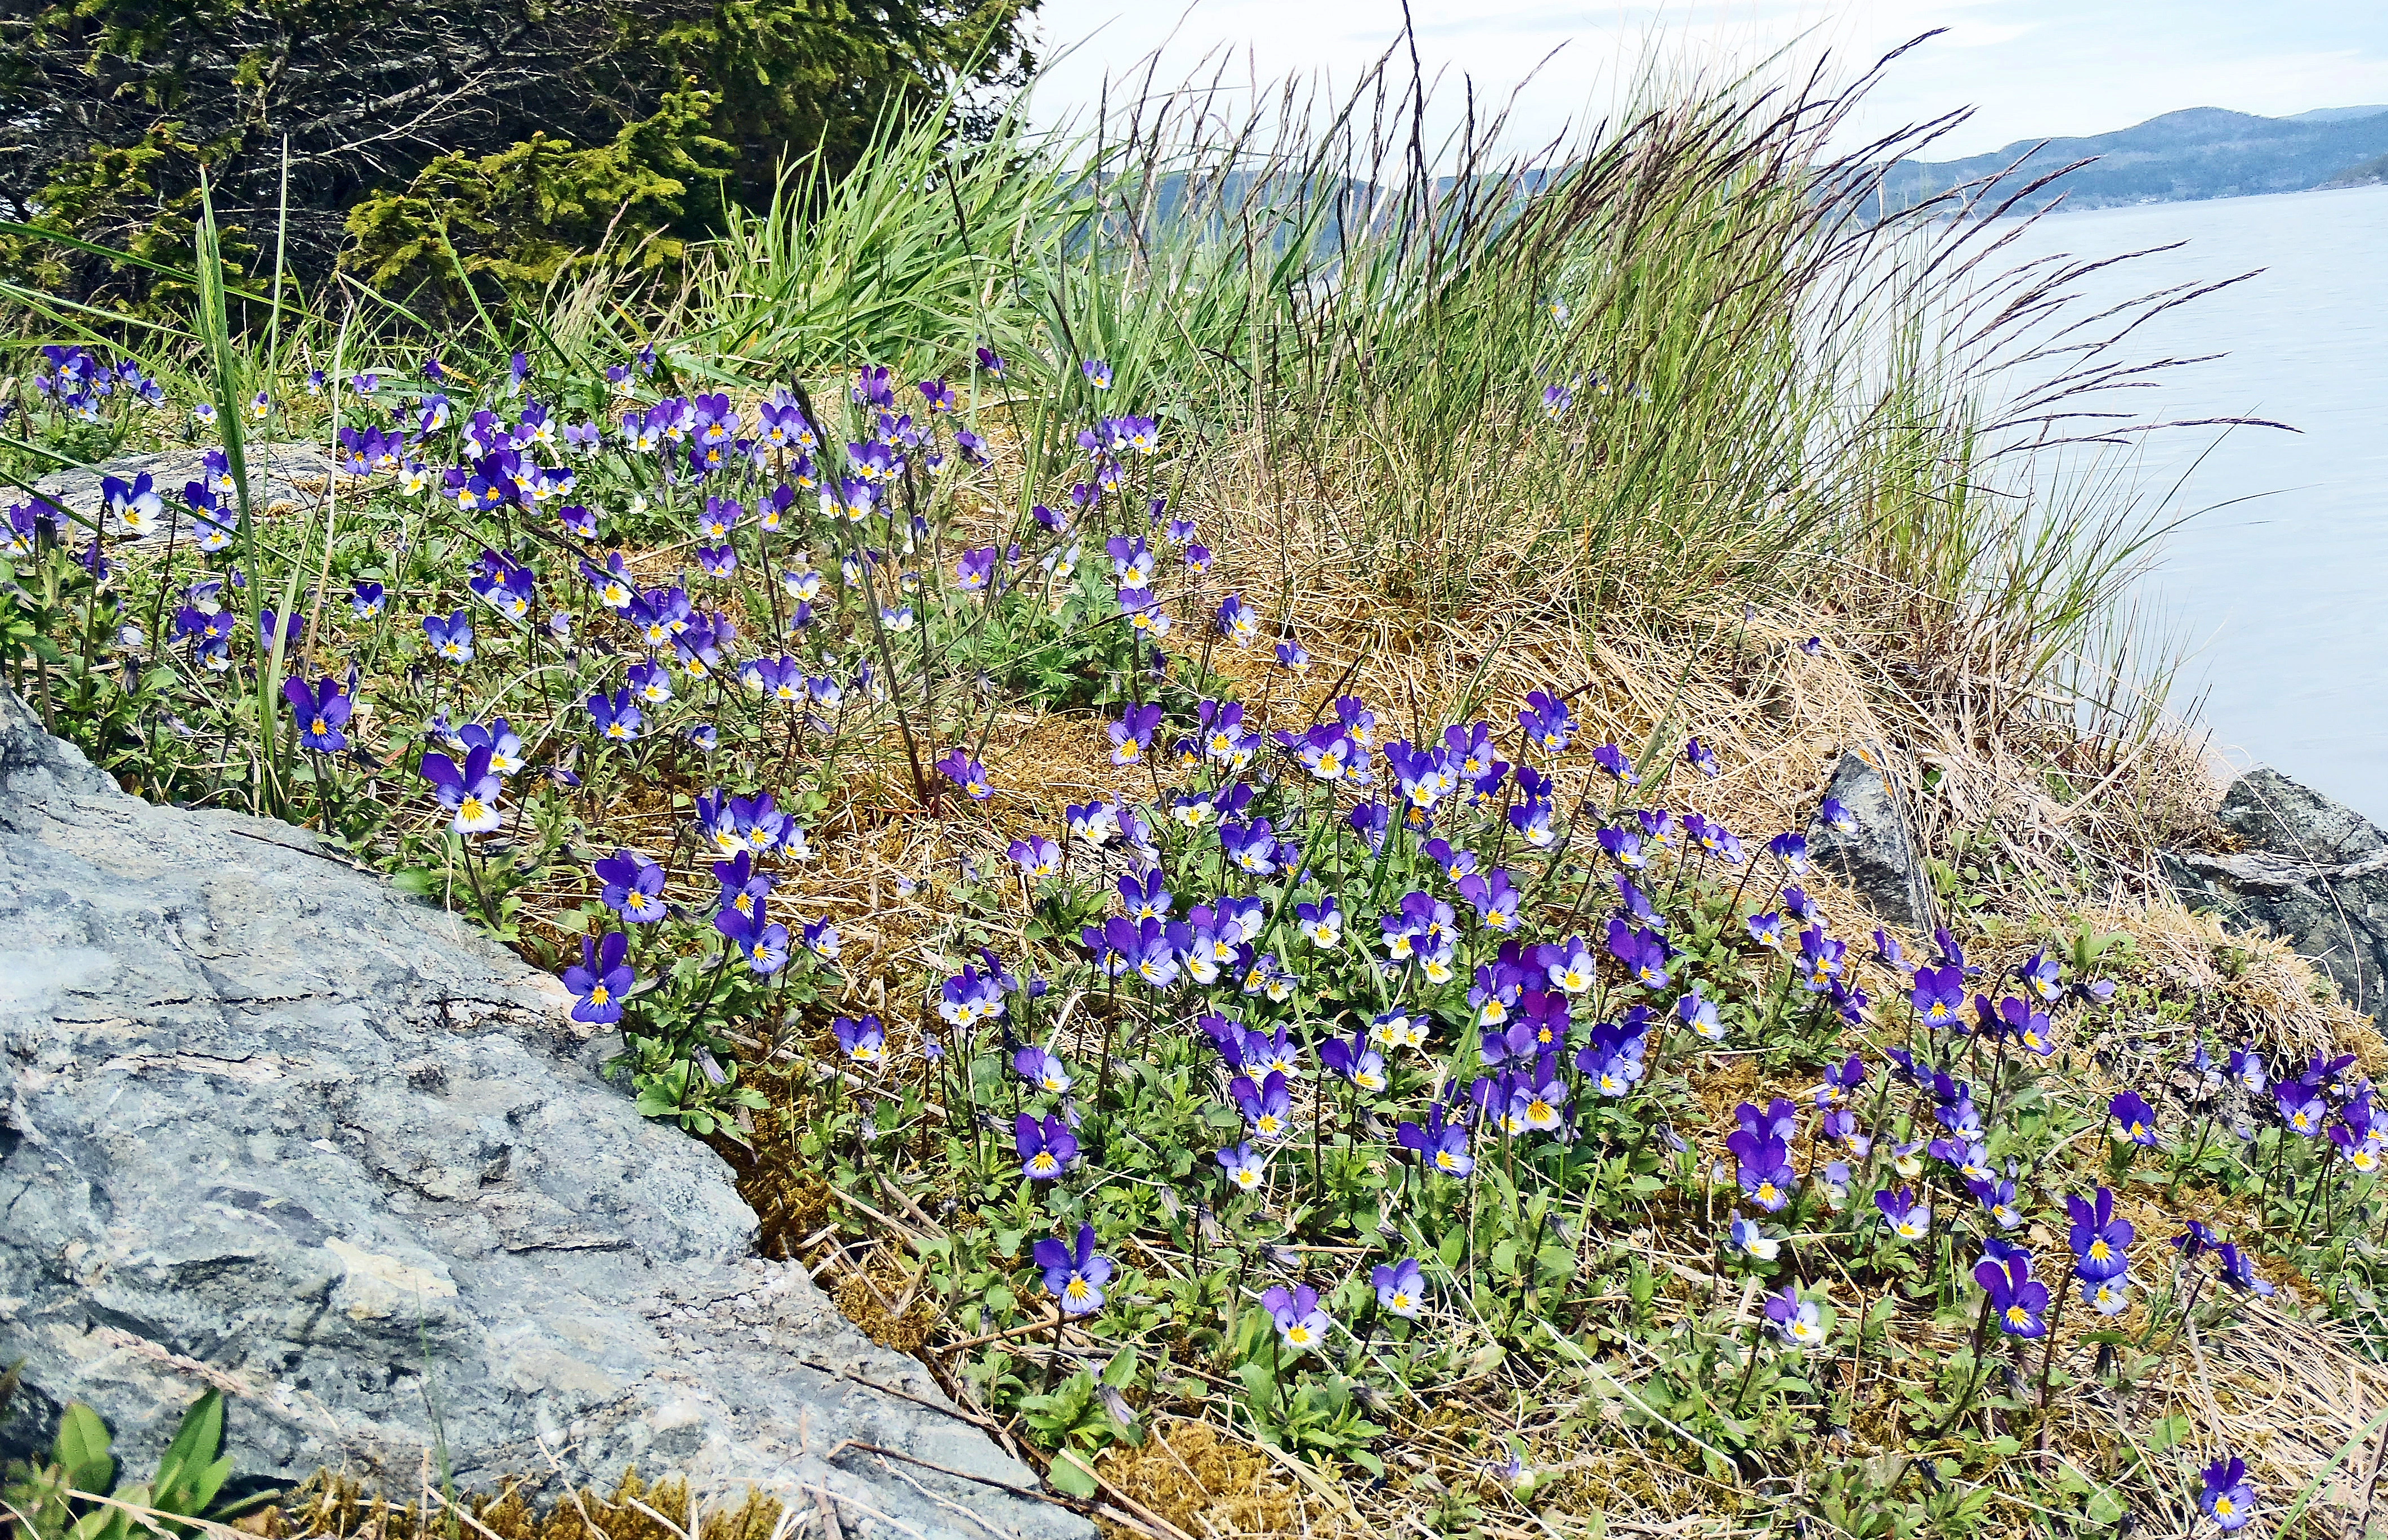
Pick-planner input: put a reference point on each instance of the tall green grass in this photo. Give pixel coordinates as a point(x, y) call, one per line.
point(1776, 395)
point(1354, 322)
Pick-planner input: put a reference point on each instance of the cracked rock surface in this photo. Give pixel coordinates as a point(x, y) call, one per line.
point(2314, 872)
point(267, 1126)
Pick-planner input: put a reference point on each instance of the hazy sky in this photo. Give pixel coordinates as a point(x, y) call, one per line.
point(2033, 68)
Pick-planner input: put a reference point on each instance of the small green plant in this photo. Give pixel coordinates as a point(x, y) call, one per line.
point(75, 1496)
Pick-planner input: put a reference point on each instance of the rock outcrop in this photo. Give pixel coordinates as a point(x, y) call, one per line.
point(1879, 857)
point(2314, 873)
point(267, 1125)
point(282, 478)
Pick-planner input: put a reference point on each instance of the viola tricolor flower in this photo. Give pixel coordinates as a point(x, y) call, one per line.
point(1300, 1322)
point(320, 713)
point(469, 791)
point(1800, 1322)
point(967, 773)
point(1045, 1149)
point(864, 1040)
point(2301, 1108)
point(1354, 1060)
point(134, 504)
point(2018, 1302)
point(1820, 959)
point(1132, 734)
point(1073, 1275)
point(1938, 996)
point(2101, 1242)
point(1400, 1287)
point(2238, 1271)
point(1042, 1069)
point(2136, 1119)
point(617, 716)
point(1547, 721)
point(2227, 1497)
point(451, 636)
point(601, 980)
point(1699, 1014)
point(1036, 857)
point(1244, 1167)
point(1764, 1165)
point(1444, 1145)
point(1909, 1217)
point(1267, 1107)
point(1643, 952)
point(634, 886)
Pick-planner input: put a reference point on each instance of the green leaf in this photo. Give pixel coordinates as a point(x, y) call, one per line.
point(189, 1474)
point(1070, 1476)
point(107, 1524)
point(83, 1448)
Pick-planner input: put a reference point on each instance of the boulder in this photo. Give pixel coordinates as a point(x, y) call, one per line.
point(2314, 873)
point(267, 1125)
point(282, 478)
point(1879, 859)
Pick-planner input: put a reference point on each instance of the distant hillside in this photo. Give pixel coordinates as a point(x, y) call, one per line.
point(2364, 175)
point(2200, 152)
point(2333, 114)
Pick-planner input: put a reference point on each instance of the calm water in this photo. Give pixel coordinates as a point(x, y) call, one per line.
point(2280, 584)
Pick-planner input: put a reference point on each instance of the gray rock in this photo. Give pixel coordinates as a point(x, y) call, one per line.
point(267, 1126)
point(282, 478)
point(2272, 813)
point(2315, 873)
point(1880, 859)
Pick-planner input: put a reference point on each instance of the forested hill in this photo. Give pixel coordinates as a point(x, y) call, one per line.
point(2200, 152)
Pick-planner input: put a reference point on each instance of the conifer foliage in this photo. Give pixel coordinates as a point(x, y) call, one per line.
point(498, 137)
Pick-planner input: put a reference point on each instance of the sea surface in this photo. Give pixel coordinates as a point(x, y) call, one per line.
point(2277, 585)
